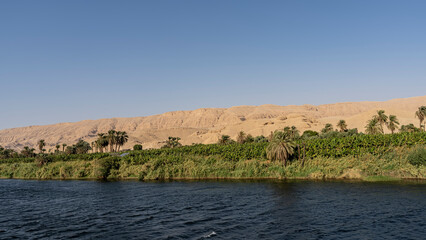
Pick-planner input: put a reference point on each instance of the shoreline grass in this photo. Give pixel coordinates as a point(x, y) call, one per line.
point(392, 166)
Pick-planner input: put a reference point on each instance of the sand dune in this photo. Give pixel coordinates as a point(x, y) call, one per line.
point(206, 125)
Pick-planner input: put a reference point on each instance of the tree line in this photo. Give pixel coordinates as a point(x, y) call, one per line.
point(112, 141)
point(281, 143)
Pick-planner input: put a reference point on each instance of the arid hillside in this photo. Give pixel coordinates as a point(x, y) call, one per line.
point(206, 125)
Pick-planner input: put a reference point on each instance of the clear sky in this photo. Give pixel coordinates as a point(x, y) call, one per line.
point(64, 61)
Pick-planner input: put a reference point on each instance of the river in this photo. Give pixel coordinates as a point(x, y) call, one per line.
point(212, 209)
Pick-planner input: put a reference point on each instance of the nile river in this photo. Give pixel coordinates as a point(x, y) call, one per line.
point(212, 209)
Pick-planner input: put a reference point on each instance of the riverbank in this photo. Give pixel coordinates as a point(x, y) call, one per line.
point(393, 165)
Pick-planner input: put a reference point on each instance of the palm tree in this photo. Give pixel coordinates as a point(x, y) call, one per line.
point(41, 143)
point(342, 125)
point(63, 147)
point(102, 142)
point(98, 146)
point(286, 130)
point(327, 128)
point(82, 147)
point(292, 132)
point(373, 126)
point(392, 123)
point(111, 139)
point(121, 139)
point(280, 148)
point(241, 137)
point(7, 153)
point(172, 142)
point(409, 128)
point(224, 139)
point(421, 115)
point(381, 118)
point(28, 152)
point(57, 148)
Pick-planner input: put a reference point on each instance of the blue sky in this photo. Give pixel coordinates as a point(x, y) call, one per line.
point(64, 61)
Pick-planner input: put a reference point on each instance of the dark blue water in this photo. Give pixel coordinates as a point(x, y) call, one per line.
point(211, 209)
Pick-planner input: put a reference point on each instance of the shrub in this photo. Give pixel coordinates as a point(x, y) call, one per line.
point(142, 175)
point(42, 160)
point(418, 156)
point(82, 147)
point(70, 150)
point(249, 138)
point(137, 147)
point(260, 139)
point(309, 134)
point(103, 167)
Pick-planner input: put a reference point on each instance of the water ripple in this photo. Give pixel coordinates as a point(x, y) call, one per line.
point(216, 210)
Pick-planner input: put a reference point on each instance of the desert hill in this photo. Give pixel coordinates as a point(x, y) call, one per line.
point(206, 125)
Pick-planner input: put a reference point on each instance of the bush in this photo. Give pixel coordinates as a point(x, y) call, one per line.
point(82, 147)
point(70, 150)
point(42, 160)
point(309, 133)
point(418, 156)
point(103, 167)
point(137, 147)
point(142, 175)
point(260, 139)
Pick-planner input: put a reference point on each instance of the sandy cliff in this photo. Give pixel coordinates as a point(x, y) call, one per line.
point(207, 125)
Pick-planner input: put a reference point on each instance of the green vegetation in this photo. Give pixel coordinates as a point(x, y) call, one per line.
point(281, 146)
point(373, 127)
point(362, 156)
point(382, 119)
point(393, 123)
point(260, 139)
point(162, 164)
point(421, 115)
point(137, 147)
point(327, 128)
point(309, 134)
point(41, 143)
point(290, 132)
point(342, 125)
point(225, 139)
point(80, 147)
point(417, 157)
point(359, 144)
point(340, 153)
point(410, 128)
point(172, 142)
